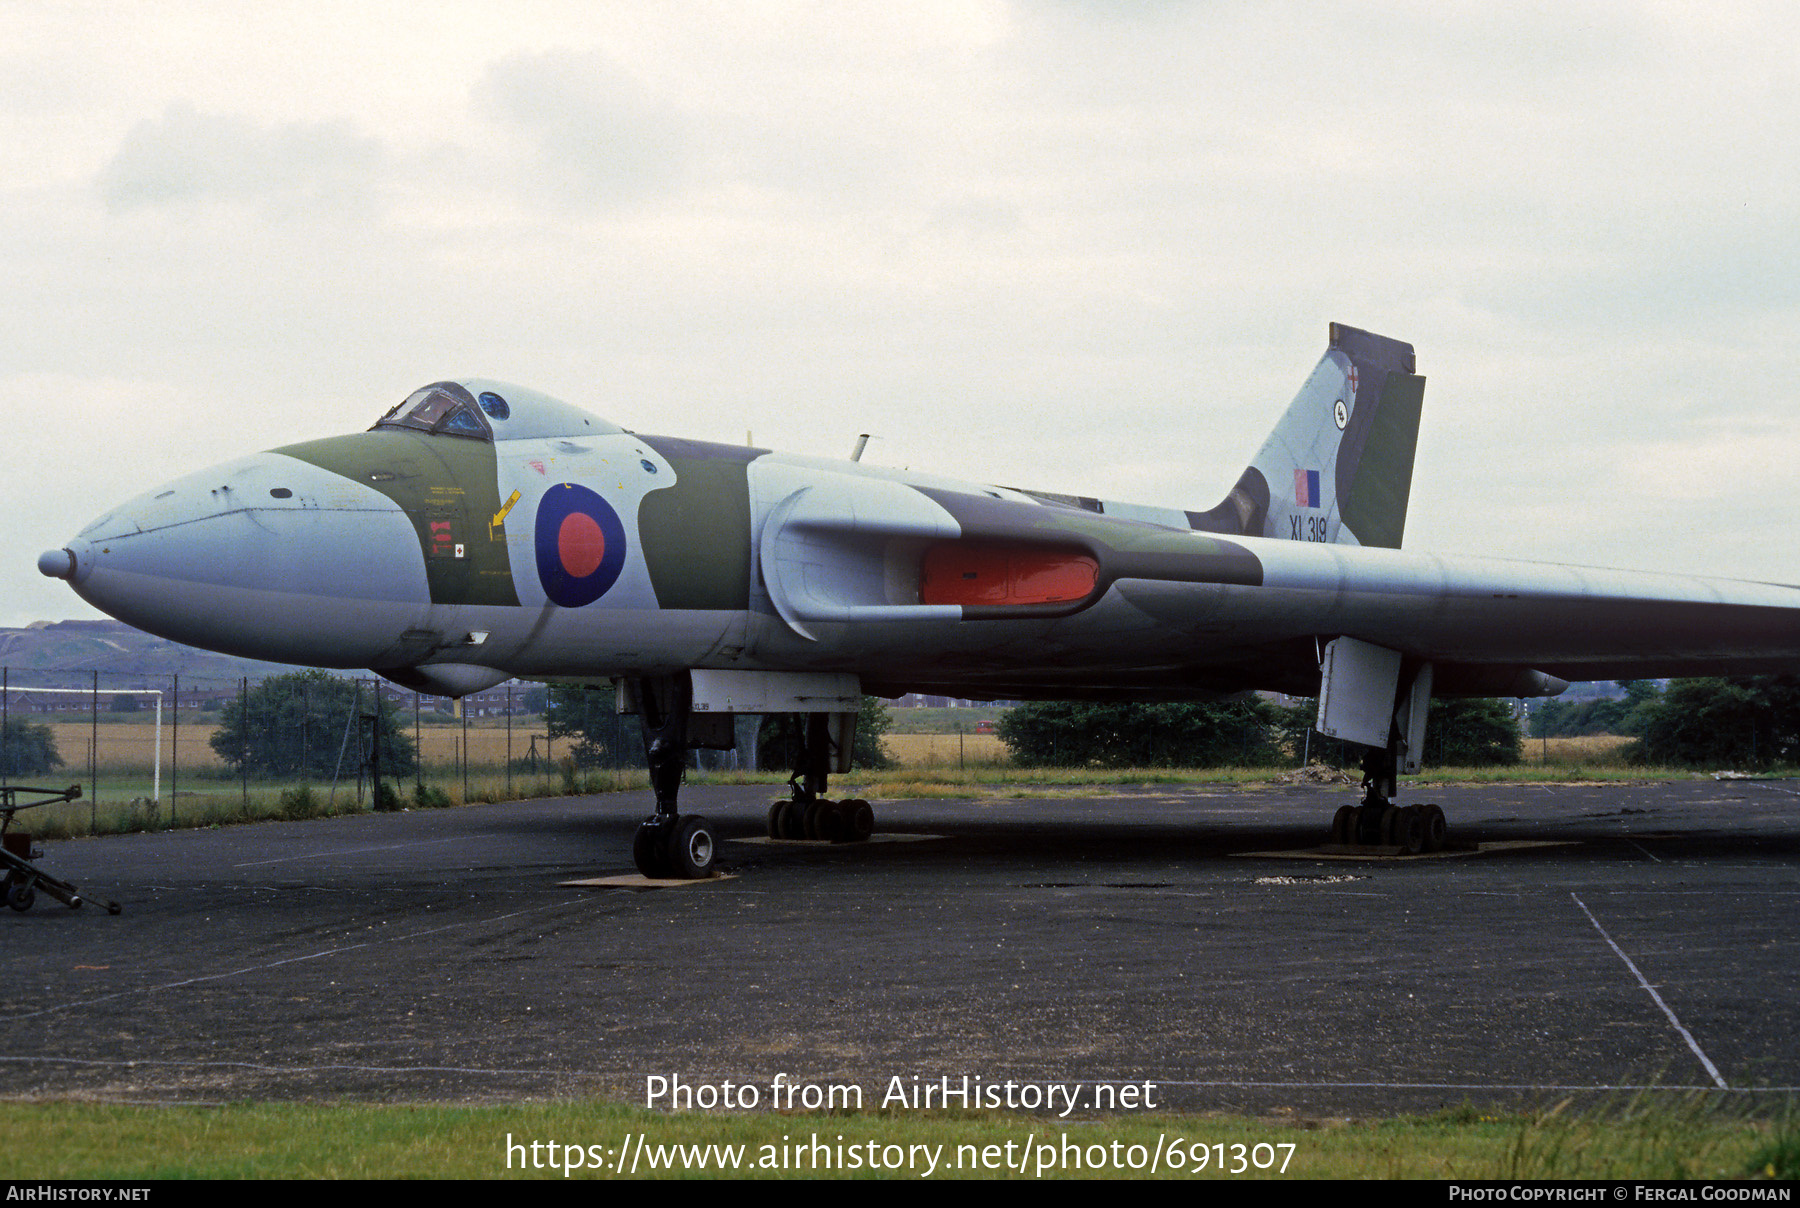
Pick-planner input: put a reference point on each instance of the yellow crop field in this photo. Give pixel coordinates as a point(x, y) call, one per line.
point(945, 750)
point(130, 746)
point(1602, 749)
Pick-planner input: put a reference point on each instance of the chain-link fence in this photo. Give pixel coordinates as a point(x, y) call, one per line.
point(152, 752)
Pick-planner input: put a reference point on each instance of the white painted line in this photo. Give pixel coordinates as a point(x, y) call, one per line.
point(637, 880)
point(1643, 849)
point(871, 841)
point(1391, 855)
point(351, 851)
point(1651, 990)
point(265, 1068)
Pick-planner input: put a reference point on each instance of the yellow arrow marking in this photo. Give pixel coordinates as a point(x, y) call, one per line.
point(500, 516)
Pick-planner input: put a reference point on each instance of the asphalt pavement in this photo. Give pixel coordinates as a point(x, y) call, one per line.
point(1651, 940)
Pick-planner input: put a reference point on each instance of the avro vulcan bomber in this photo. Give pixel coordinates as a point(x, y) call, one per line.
point(482, 531)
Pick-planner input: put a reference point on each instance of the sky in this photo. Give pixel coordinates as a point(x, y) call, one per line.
point(1077, 246)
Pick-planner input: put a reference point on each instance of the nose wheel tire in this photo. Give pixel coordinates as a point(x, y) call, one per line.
point(649, 849)
point(681, 848)
point(691, 848)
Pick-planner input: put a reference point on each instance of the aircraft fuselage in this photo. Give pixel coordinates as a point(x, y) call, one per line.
point(445, 560)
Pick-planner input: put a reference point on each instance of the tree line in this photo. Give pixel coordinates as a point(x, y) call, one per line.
point(1743, 722)
point(1243, 732)
point(312, 724)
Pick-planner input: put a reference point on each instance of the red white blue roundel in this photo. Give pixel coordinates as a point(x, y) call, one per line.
point(580, 545)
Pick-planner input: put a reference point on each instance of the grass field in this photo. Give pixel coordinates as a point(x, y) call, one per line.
point(1685, 1139)
point(945, 750)
point(131, 746)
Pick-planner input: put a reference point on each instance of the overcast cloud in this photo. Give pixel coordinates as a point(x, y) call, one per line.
point(1079, 246)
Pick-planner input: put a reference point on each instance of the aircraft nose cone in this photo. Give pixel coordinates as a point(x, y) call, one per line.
point(268, 557)
point(57, 564)
point(72, 562)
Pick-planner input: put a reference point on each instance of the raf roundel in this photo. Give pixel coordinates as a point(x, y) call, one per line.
point(580, 545)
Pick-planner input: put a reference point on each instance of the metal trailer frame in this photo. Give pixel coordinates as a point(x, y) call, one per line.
point(23, 878)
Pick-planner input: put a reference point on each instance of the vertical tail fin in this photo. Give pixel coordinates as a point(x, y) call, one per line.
point(1338, 466)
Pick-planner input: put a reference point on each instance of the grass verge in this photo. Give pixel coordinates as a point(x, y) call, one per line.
point(225, 803)
point(1650, 1138)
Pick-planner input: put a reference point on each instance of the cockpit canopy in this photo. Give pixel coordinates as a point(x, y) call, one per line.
point(479, 409)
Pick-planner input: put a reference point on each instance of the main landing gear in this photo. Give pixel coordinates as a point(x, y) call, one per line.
point(668, 845)
point(1376, 822)
point(808, 814)
point(1379, 699)
point(695, 709)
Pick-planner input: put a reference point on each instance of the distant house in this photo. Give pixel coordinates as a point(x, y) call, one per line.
point(919, 700)
point(66, 700)
point(497, 701)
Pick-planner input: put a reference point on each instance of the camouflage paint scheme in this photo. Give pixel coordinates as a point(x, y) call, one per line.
point(546, 543)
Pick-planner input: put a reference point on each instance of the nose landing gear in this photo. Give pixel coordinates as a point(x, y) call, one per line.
point(668, 845)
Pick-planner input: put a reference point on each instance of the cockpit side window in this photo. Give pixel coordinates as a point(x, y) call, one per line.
point(443, 407)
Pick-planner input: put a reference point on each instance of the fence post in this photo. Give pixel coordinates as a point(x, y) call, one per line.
point(244, 739)
point(362, 753)
point(94, 761)
point(375, 751)
point(174, 746)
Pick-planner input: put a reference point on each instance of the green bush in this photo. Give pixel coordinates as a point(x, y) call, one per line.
point(1069, 734)
point(430, 797)
point(1746, 722)
point(27, 749)
point(297, 725)
point(298, 803)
